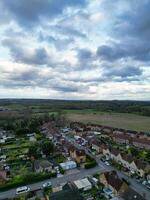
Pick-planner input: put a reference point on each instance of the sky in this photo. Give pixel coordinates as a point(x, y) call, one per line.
point(75, 49)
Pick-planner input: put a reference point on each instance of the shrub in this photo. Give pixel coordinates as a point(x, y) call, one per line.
point(91, 164)
point(26, 179)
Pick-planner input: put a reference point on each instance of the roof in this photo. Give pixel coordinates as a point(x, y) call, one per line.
point(83, 183)
point(96, 142)
point(132, 195)
point(44, 164)
point(141, 141)
point(68, 163)
point(80, 152)
point(141, 164)
point(114, 151)
point(127, 157)
point(121, 136)
point(68, 192)
point(113, 180)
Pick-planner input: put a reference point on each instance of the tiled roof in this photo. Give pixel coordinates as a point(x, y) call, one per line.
point(114, 151)
point(141, 164)
point(127, 157)
point(142, 141)
point(113, 180)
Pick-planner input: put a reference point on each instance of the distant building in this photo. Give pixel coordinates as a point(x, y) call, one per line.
point(141, 143)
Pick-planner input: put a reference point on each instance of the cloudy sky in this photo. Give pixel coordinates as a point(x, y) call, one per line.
point(75, 49)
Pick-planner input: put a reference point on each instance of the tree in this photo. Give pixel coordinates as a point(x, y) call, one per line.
point(47, 147)
point(22, 131)
point(134, 151)
point(33, 150)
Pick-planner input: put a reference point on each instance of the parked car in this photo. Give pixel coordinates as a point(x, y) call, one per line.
point(47, 184)
point(144, 182)
point(23, 189)
point(148, 186)
point(107, 163)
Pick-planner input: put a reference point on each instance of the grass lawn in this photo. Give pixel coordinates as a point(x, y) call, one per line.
point(118, 120)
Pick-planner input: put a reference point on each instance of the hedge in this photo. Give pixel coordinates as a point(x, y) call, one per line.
point(26, 179)
point(91, 164)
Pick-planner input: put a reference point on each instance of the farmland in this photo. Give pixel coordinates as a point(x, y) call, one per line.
point(118, 120)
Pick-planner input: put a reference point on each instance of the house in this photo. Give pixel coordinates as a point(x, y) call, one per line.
point(118, 132)
point(140, 167)
point(107, 130)
point(131, 133)
point(130, 194)
point(121, 138)
point(111, 181)
point(77, 154)
point(68, 192)
point(83, 184)
point(126, 160)
point(141, 143)
point(105, 151)
point(42, 166)
point(96, 145)
point(115, 154)
point(68, 165)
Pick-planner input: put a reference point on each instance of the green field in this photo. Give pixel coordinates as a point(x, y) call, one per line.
point(118, 120)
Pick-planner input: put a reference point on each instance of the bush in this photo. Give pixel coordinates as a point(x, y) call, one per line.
point(26, 179)
point(62, 171)
point(91, 164)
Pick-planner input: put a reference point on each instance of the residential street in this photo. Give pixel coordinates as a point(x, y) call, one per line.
point(138, 187)
point(78, 175)
point(56, 181)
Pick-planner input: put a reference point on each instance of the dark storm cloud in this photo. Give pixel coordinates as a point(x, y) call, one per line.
point(131, 29)
point(19, 54)
point(28, 13)
point(136, 21)
point(110, 53)
point(123, 72)
point(130, 48)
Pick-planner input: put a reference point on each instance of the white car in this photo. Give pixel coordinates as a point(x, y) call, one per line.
point(107, 163)
point(144, 182)
point(23, 189)
point(47, 184)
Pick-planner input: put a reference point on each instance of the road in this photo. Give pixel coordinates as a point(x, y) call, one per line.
point(56, 181)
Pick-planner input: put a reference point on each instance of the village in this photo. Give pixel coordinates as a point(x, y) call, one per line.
point(107, 161)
